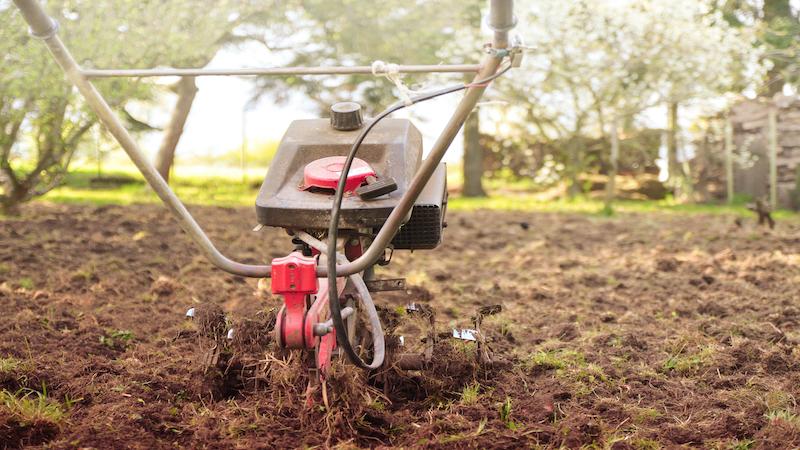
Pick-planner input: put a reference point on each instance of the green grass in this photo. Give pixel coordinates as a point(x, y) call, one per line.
point(192, 185)
point(225, 187)
point(469, 396)
point(33, 409)
point(529, 202)
point(11, 364)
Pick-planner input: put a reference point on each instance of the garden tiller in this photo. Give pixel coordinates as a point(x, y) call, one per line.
point(349, 191)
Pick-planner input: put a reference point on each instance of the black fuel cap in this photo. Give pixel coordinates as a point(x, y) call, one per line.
point(346, 116)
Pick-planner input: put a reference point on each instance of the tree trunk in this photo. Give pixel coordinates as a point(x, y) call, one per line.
point(674, 168)
point(574, 165)
point(187, 89)
point(614, 160)
point(473, 158)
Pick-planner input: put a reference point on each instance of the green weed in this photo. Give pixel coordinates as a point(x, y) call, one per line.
point(469, 396)
point(746, 444)
point(505, 414)
point(11, 364)
point(783, 416)
point(26, 283)
point(110, 341)
point(33, 410)
point(85, 273)
point(645, 444)
point(645, 415)
point(559, 359)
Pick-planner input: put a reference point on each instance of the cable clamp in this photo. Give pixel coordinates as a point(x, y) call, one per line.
point(496, 52)
point(514, 51)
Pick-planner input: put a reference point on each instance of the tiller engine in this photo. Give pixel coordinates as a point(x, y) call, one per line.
point(297, 194)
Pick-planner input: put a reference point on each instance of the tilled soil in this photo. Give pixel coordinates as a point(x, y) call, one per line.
point(639, 331)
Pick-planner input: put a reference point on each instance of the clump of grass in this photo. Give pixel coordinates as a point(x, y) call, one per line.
point(505, 414)
point(469, 396)
point(116, 336)
point(11, 364)
point(784, 417)
point(684, 362)
point(26, 283)
point(29, 417)
point(558, 359)
point(645, 415)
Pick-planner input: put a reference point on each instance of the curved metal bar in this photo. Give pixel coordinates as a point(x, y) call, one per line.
point(354, 70)
point(41, 24)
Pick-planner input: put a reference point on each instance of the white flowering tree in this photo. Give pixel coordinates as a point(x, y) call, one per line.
point(599, 62)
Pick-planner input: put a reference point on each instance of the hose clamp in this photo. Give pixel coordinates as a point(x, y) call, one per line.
point(47, 34)
point(499, 29)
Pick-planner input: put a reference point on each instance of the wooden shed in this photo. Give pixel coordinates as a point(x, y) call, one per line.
point(752, 135)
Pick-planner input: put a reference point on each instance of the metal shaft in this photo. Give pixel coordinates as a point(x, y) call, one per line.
point(365, 70)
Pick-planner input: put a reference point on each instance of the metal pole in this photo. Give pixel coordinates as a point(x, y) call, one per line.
point(773, 158)
point(501, 19)
point(244, 143)
point(354, 70)
point(729, 157)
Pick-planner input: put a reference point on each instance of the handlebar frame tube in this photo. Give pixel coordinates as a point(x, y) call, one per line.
point(43, 27)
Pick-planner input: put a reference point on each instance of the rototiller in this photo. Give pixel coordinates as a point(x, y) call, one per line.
point(388, 198)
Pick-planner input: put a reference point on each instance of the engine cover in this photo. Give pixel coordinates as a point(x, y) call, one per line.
point(393, 148)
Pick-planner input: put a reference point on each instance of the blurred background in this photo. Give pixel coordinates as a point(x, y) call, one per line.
point(690, 100)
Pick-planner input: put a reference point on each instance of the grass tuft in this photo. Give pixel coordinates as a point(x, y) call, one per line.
point(469, 396)
point(30, 418)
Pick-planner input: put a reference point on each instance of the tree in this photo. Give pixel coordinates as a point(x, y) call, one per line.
point(42, 119)
point(777, 26)
point(207, 28)
point(600, 63)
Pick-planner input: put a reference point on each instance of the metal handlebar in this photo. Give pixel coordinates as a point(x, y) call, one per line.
point(42, 26)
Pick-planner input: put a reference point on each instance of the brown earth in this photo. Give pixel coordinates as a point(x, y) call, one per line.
point(640, 331)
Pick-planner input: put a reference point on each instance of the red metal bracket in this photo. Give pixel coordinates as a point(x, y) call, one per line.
point(293, 277)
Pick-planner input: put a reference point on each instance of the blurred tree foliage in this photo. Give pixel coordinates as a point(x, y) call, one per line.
point(778, 26)
point(598, 64)
point(42, 119)
point(317, 33)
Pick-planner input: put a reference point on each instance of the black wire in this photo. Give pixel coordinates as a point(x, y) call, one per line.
point(333, 229)
point(487, 80)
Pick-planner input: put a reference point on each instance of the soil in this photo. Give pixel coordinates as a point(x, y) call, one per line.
point(639, 331)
